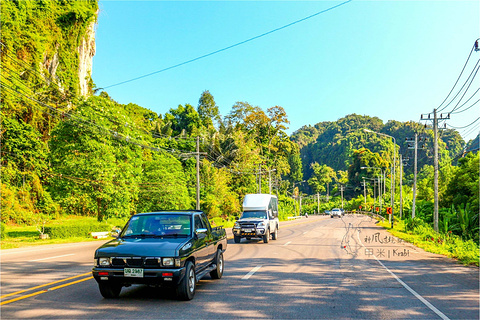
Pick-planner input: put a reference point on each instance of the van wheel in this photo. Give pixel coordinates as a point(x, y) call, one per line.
point(266, 237)
point(275, 234)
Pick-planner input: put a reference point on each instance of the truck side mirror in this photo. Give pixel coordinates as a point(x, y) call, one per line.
point(201, 233)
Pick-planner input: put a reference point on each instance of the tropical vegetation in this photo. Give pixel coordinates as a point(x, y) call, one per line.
point(64, 154)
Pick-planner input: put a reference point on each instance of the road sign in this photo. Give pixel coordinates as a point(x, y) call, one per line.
point(360, 207)
point(389, 210)
point(377, 209)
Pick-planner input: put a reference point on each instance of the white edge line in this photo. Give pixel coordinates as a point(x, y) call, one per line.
point(251, 273)
point(286, 244)
point(406, 286)
point(65, 255)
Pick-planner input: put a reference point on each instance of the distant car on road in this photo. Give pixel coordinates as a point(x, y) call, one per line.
point(336, 212)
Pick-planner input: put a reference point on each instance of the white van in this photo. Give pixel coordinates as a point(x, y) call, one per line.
point(259, 218)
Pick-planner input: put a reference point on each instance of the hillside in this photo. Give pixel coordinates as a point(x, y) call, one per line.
point(334, 143)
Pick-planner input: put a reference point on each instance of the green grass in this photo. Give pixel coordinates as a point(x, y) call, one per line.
point(426, 238)
point(26, 236)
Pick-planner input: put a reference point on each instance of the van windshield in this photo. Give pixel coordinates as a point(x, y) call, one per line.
point(254, 214)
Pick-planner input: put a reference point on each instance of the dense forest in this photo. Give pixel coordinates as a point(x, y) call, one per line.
point(68, 153)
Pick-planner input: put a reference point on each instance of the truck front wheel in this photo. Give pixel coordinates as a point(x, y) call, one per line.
point(275, 234)
point(109, 290)
point(266, 236)
point(236, 239)
point(186, 287)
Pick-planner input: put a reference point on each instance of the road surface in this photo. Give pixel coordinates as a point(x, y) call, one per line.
point(319, 268)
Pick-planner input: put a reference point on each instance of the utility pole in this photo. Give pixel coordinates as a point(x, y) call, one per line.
point(318, 203)
point(401, 186)
point(300, 206)
point(435, 163)
point(341, 190)
point(198, 173)
point(364, 193)
point(435, 166)
point(270, 180)
point(380, 192)
point(197, 155)
point(415, 147)
point(328, 191)
point(260, 178)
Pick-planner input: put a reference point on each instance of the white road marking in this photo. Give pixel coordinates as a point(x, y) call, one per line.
point(286, 244)
point(65, 255)
point(406, 286)
point(251, 273)
point(305, 232)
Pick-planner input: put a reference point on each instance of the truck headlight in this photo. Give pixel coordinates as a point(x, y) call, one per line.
point(104, 262)
point(167, 262)
point(170, 262)
point(261, 225)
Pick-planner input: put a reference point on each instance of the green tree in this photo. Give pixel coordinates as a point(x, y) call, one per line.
point(208, 110)
point(96, 165)
point(323, 175)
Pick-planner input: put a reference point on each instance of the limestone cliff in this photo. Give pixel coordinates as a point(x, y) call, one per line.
point(86, 51)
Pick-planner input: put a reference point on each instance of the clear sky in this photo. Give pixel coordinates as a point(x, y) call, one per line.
point(391, 59)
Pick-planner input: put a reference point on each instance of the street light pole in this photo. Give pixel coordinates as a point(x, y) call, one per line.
point(392, 197)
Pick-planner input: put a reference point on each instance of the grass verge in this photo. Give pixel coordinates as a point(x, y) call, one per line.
point(467, 252)
point(27, 236)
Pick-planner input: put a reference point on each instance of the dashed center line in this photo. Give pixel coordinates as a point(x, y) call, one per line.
point(251, 273)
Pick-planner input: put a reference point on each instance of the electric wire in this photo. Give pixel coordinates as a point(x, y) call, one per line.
point(466, 81)
point(466, 62)
point(466, 90)
point(229, 47)
point(468, 125)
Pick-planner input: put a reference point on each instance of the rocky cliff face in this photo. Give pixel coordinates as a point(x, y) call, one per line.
point(86, 51)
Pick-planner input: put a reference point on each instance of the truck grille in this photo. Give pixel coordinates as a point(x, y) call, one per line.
point(248, 225)
point(135, 262)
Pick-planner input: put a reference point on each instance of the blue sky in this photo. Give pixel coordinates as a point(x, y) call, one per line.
point(390, 59)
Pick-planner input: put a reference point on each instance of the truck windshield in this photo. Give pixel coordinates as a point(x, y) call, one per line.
point(254, 214)
point(158, 225)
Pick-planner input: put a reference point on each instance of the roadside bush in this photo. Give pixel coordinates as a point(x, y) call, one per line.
point(3, 228)
point(78, 229)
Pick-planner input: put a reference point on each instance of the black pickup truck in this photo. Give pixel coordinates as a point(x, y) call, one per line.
point(165, 249)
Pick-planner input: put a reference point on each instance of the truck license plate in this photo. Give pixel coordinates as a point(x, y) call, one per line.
point(133, 272)
point(247, 230)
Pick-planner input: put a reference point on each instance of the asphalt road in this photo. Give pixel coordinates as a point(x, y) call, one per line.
point(319, 268)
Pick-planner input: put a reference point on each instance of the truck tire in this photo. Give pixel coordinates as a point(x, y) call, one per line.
point(266, 236)
point(236, 239)
point(275, 234)
point(218, 272)
point(186, 287)
point(109, 290)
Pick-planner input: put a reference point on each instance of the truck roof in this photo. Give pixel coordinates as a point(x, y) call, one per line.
point(257, 201)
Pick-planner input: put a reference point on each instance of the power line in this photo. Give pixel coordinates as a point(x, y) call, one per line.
point(460, 90)
point(468, 125)
point(229, 47)
point(466, 62)
point(466, 90)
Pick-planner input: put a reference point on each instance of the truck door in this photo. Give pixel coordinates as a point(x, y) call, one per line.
point(209, 238)
point(200, 246)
